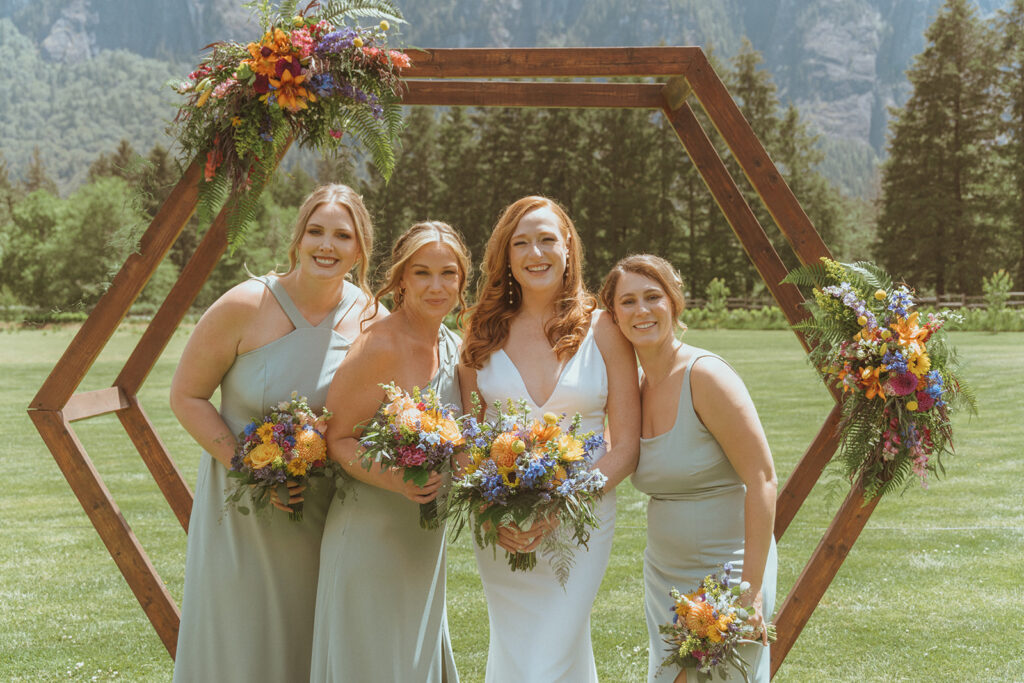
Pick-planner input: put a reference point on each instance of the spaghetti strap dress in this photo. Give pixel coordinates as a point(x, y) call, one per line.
point(694, 526)
point(250, 580)
point(380, 603)
point(540, 631)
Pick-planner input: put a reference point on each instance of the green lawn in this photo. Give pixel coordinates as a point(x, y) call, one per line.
point(896, 611)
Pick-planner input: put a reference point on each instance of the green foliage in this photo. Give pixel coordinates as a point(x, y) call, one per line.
point(997, 290)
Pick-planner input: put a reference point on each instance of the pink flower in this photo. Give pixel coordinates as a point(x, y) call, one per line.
point(399, 59)
point(901, 384)
point(410, 456)
point(303, 41)
point(924, 402)
point(222, 89)
point(336, 134)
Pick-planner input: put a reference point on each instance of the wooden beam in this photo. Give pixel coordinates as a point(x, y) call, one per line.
point(677, 90)
point(548, 62)
point(736, 210)
point(93, 403)
point(529, 94)
point(820, 570)
point(755, 162)
point(111, 525)
point(97, 329)
point(158, 459)
point(807, 472)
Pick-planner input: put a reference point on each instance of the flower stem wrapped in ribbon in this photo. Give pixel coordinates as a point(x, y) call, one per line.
point(414, 432)
point(523, 470)
point(707, 625)
point(898, 373)
point(287, 445)
point(310, 78)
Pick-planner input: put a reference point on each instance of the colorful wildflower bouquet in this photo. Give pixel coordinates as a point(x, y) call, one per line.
point(310, 78)
point(707, 625)
point(417, 433)
point(897, 371)
point(286, 445)
point(522, 470)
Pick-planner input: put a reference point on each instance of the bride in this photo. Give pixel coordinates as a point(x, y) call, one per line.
point(535, 334)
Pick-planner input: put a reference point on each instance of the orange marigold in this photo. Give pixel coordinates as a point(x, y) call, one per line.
point(503, 450)
point(700, 617)
point(310, 446)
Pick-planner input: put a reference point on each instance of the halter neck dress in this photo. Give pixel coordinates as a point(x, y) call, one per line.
point(538, 630)
point(250, 580)
point(694, 526)
point(380, 604)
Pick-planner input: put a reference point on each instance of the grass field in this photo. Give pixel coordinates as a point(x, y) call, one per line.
point(931, 591)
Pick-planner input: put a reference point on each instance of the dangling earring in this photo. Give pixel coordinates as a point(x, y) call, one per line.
point(510, 284)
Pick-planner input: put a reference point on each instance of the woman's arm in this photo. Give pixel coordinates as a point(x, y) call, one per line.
point(619, 461)
point(724, 406)
point(354, 398)
point(208, 355)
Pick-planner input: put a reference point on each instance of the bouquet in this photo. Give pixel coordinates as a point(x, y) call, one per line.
point(307, 77)
point(707, 625)
point(898, 373)
point(417, 433)
point(522, 470)
point(287, 445)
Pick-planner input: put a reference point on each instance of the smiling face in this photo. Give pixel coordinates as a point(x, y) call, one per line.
point(643, 311)
point(538, 251)
point(329, 248)
point(431, 281)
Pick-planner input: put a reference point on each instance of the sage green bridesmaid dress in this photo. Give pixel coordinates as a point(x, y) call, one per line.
point(250, 581)
point(694, 526)
point(380, 604)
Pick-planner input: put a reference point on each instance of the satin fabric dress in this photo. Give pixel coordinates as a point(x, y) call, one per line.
point(380, 604)
point(250, 580)
point(694, 525)
point(540, 631)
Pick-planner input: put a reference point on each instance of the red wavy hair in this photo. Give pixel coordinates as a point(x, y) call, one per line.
point(491, 316)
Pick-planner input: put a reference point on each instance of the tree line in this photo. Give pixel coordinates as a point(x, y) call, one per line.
point(621, 173)
point(951, 210)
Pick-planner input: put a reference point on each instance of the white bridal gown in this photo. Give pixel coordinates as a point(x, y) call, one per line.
point(540, 632)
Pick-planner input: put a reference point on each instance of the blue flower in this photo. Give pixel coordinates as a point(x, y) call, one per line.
point(593, 443)
point(895, 361)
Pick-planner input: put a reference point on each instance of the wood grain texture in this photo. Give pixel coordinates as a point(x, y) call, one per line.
point(807, 472)
point(531, 94)
point(97, 329)
point(158, 460)
point(548, 62)
point(820, 570)
point(752, 157)
point(111, 525)
point(88, 404)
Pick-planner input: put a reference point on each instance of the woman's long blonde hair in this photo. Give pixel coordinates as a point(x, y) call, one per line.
point(491, 316)
point(345, 196)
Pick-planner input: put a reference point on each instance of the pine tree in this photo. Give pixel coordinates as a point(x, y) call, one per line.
point(36, 178)
point(938, 214)
point(1011, 24)
point(456, 138)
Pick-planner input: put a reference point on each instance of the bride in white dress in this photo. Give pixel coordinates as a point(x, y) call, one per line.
point(535, 334)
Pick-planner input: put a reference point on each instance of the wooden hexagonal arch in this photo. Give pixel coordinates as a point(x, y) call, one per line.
point(686, 72)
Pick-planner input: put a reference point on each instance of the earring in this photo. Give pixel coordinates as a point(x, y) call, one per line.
point(510, 301)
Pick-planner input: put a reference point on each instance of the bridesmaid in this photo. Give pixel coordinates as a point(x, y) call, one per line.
point(704, 461)
point(380, 604)
point(535, 335)
point(250, 583)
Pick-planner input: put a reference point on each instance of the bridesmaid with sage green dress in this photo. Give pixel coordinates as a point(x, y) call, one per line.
point(380, 604)
point(250, 581)
point(704, 462)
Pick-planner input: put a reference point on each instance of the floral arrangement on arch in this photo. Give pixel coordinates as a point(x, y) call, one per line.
point(309, 78)
point(895, 367)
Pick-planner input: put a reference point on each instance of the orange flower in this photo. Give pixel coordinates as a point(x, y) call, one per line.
point(504, 450)
point(700, 618)
point(871, 383)
point(264, 454)
point(543, 432)
point(309, 446)
point(290, 93)
point(450, 432)
point(911, 335)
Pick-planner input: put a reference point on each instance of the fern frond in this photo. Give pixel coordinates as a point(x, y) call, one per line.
point(378, 9)
point(810, 275)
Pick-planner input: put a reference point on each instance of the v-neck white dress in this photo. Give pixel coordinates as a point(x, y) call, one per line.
point(540, 631)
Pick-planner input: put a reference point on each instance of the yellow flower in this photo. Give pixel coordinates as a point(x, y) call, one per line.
point(450, 432)
point(309, 446)
point(919, 364)
point(384, 25)
point(297, 467)
point(264, 454)
point(357, 42)
point(880, 294)
point(570, 448)
point(265, 431)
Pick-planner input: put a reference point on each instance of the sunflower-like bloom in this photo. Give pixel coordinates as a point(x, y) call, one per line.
point(309, 446)
point(919, 364)
point(503, 450)
point(264, 454)
point(265, 431)
point(297, 467)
